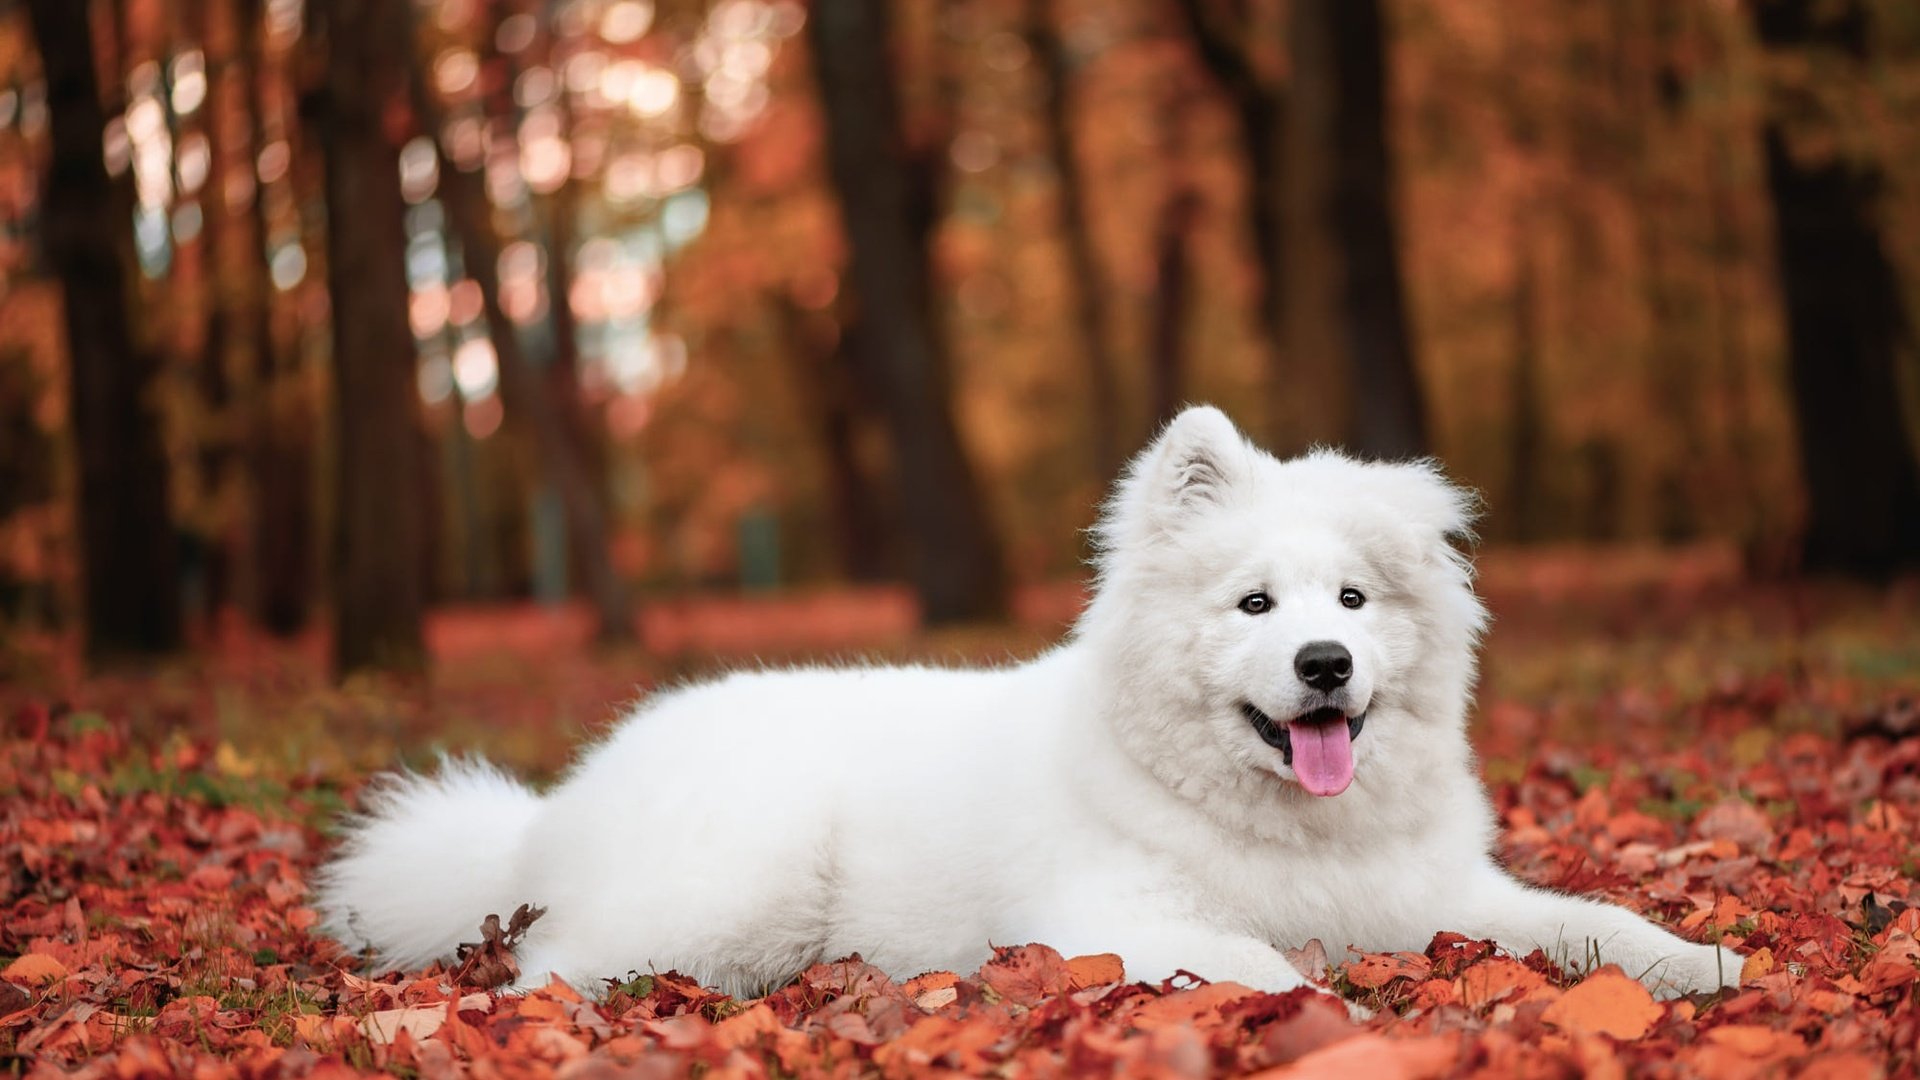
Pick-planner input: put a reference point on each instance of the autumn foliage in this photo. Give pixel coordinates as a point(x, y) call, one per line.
point(156, 923)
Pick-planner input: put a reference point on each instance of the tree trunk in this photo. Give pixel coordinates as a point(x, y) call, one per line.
point(1528, 436)
point(379, 594)
point(127, 550)
point(859, 512)
point(1166, 363)
point(561, 209)
point(281, 423)
point(563, 373)
point(1845, 320)
point(527, 395)
point(957, 566)
point(212, 28)
point(1343, 179)
point(1103, 400)
point(1647, 102)
point(1262, 114)
point(1729, 256)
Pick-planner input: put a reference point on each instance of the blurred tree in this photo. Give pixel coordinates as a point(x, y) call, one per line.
point(858, 513)
point(559, 214)
point(206, 27)
point(1523, 482)
point(537, 400)
point(957, 563)
point(1180, 202)
point(1846, 321)
point(281, 421)
point(1351, 309)
point(128, 567)
point(531, 398)
point(1173, 287)
point(1056, 79)
point(1260, 110)
point(378, 588)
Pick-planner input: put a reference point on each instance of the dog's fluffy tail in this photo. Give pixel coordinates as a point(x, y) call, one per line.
point(426, 860)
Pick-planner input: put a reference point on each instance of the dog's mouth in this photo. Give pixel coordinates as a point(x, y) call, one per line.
point(1321, 740)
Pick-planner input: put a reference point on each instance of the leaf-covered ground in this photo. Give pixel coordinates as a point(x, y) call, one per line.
point(1743, 767)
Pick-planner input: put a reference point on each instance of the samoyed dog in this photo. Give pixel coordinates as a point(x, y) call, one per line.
point(1255, 735)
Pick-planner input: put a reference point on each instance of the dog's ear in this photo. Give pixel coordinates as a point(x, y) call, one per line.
point(1198, 462)
point(1422, 496)
point(1199, 458)
point(1438, 515)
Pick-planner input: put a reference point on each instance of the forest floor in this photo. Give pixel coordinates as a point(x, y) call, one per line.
point(1731, 760)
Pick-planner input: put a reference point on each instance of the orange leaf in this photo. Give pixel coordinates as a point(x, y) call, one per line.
point(1847, 1066)
point(1607, 1002)
point(1887, 972)
point(932, 980)
point(1756, 1041)
point(418, 1021)
point(1374, 970)
point(1500, 979)
point(938, 1038)
point(1096, 970)
point(1758, 965)
point(743, 1029)
point(33, 968)
point(1375, 1056)
point(539, 1007)
point(934, 990)
point(1321, 1021)
point(1025, 974)
point(1188, 1006)
point(1434, 992)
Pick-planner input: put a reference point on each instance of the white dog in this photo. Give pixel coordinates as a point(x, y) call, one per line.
point(1255, 735)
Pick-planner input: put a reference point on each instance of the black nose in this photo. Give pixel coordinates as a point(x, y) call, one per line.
point(1324, 665)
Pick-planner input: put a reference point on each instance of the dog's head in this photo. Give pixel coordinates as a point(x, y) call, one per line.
point(1313, 616)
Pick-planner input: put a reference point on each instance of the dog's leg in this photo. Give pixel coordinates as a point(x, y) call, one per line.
point(1581, 934)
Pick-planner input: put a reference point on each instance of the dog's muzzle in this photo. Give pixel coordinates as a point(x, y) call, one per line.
point(1275, 735)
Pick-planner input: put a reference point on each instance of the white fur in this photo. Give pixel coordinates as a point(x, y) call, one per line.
point(1109, 796)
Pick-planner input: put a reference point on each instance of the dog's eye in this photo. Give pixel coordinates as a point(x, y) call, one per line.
point(1256, 603)
point(1351, 598)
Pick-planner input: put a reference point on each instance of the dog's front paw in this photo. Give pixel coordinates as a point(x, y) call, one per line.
point(1698, 969)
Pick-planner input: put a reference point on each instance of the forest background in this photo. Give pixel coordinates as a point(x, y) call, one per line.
point(381, 378)
point(750, 295)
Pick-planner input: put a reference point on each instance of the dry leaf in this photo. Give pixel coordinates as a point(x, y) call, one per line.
point(1309, 959)
point(1025, 974)
point(490, 962)
point(34, 968)
point(1096, 970)
point(1606, 1002)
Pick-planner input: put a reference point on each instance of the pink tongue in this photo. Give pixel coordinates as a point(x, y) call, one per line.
point(1322, 756)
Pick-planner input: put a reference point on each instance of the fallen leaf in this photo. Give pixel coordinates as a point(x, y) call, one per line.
point(743, 1029)
point(1739, 821)
point(1374, 1057)
point(1310, 959)
point(1756, 1041)
point(1500, 979)
point(1095, 970)
point(1374, 970)
point(1187, 1006)
point(418, 1021)
point(1606, 1002)
point(490, 962)
point(1320, 1021)
point(1026, 973)
point(34, 968)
